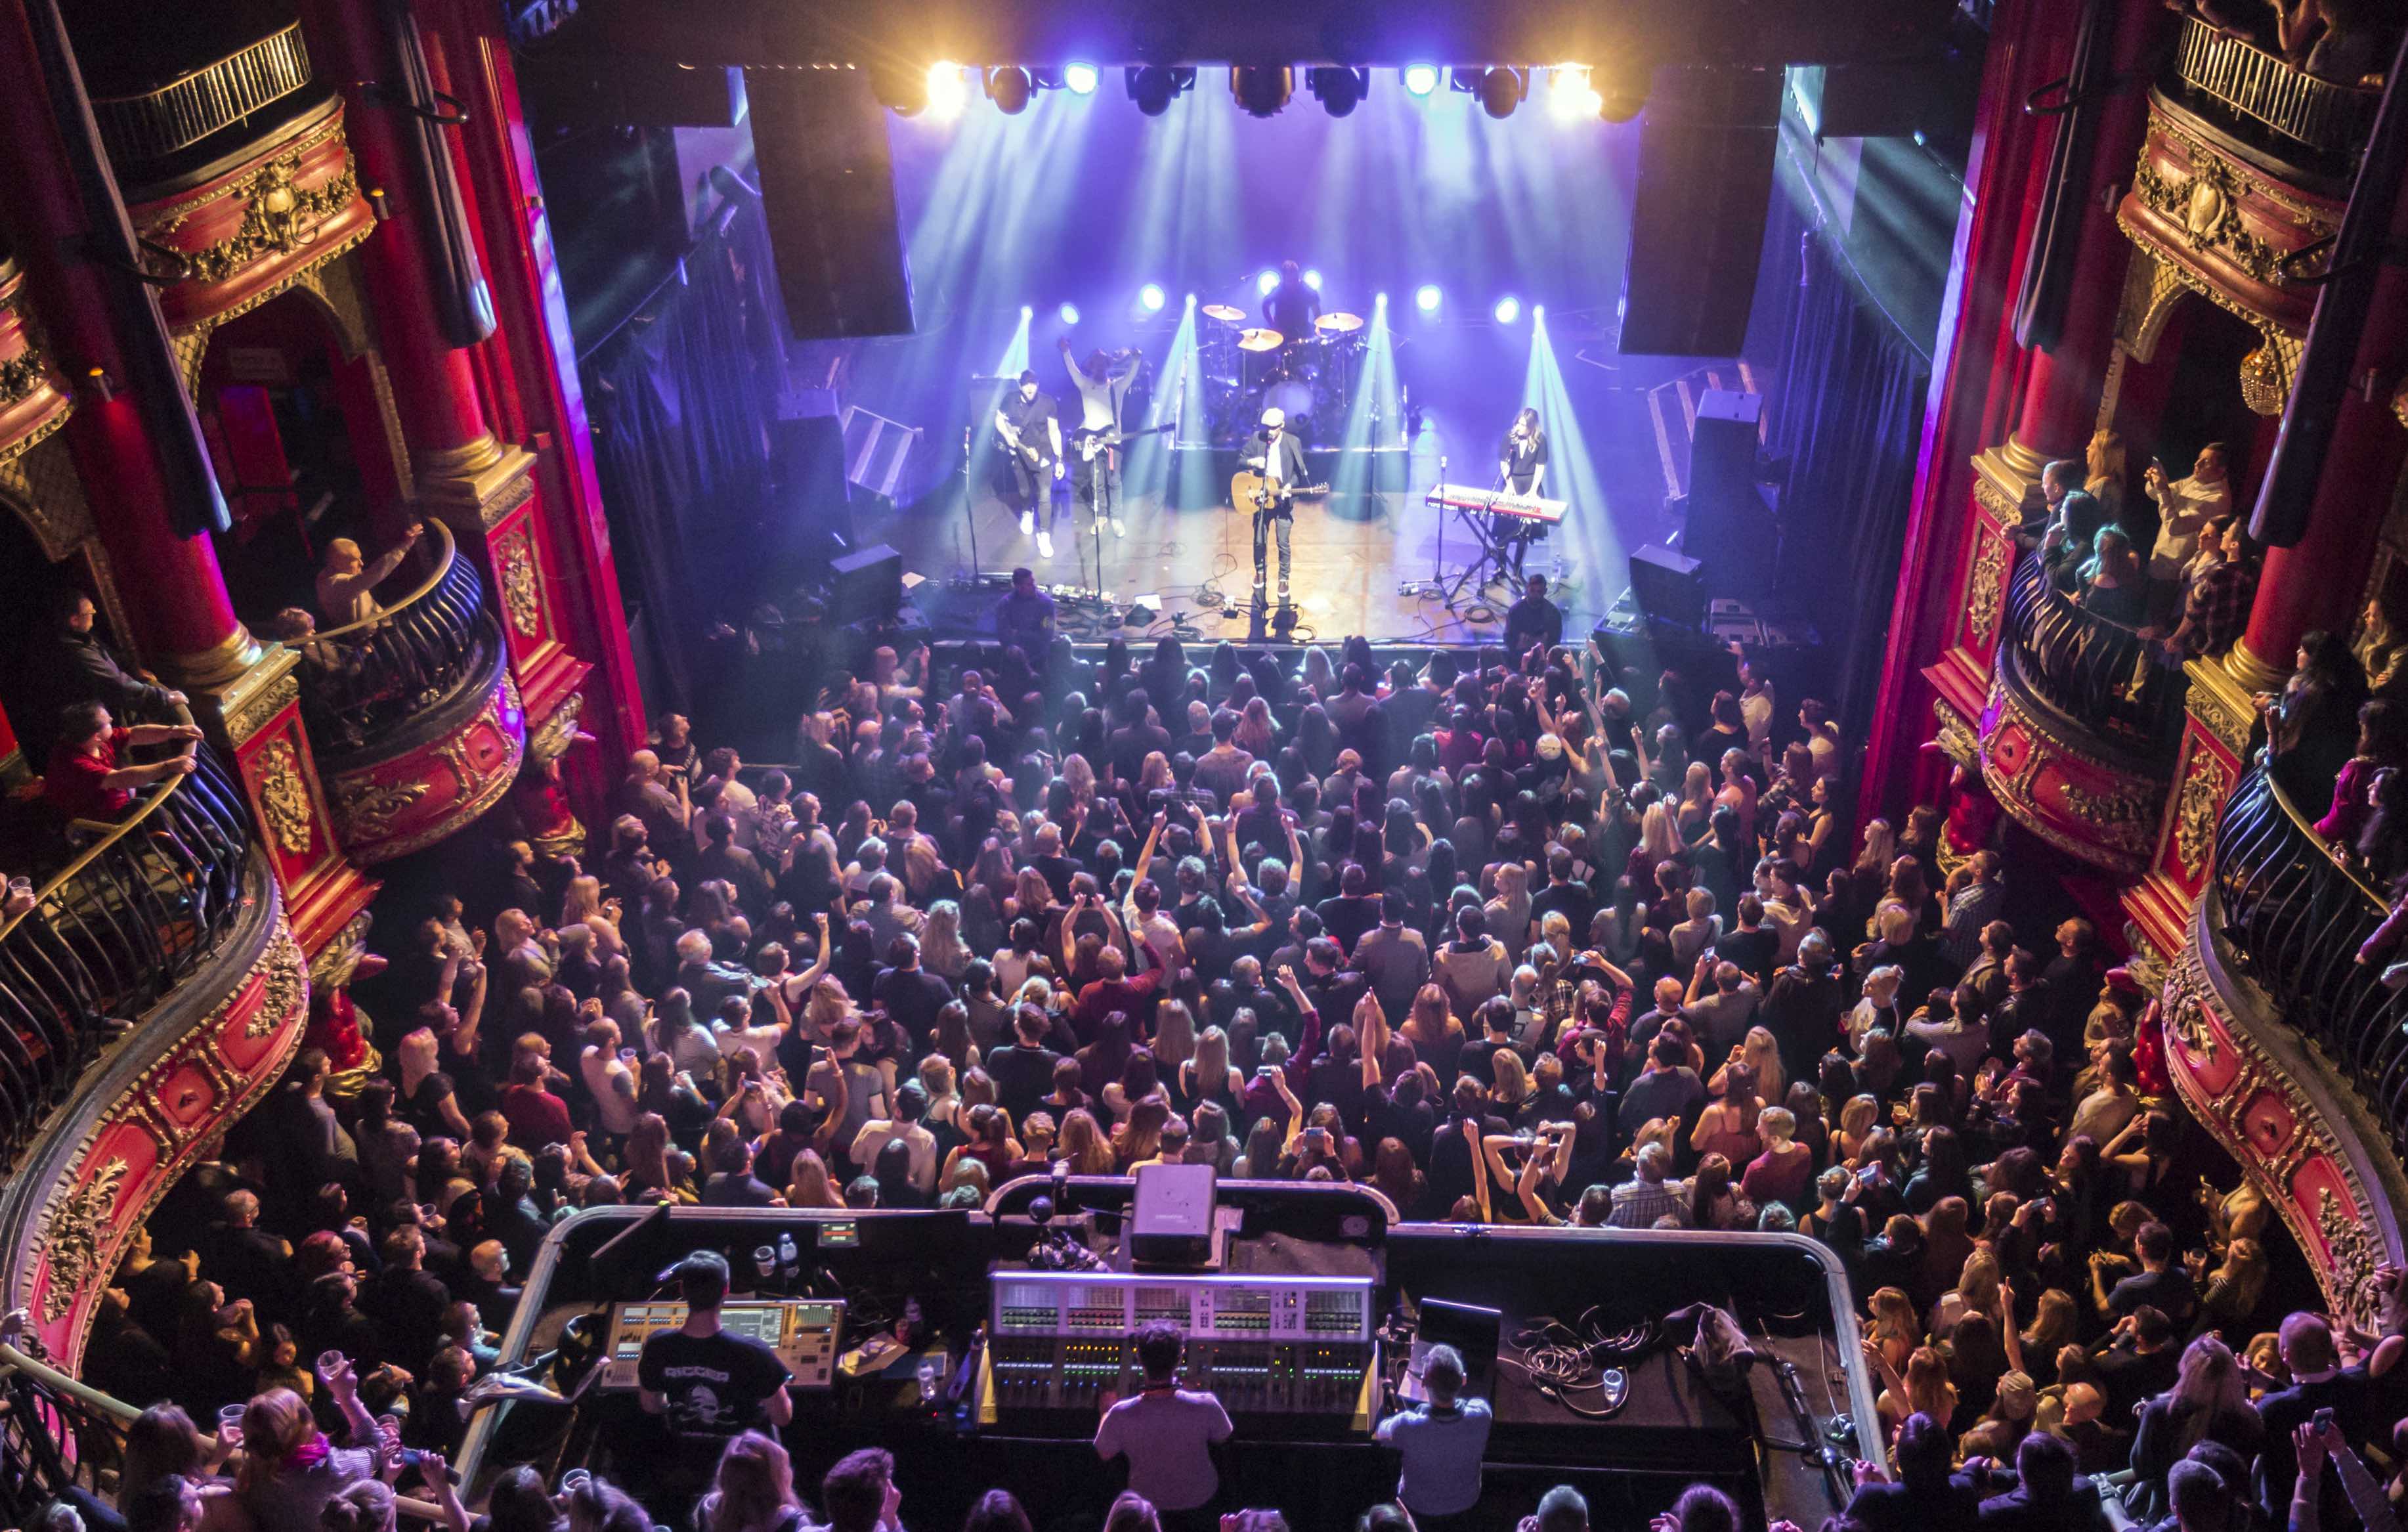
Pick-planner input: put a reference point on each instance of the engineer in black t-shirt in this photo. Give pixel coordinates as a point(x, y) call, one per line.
point(707, 1385)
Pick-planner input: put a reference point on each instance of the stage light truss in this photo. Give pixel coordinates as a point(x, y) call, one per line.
point(1575, 93)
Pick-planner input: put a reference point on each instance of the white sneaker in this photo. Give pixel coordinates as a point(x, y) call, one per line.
point(1029, 523)
point(1044, 544)
point(1119, 528)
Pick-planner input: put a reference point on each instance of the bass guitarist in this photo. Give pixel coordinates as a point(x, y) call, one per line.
point(1276, 459)
point(1031, 434)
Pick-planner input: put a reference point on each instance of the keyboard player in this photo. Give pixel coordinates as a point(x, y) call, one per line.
point(1521, 469)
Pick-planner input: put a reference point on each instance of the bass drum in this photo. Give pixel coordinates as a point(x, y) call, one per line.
point(1294, 399)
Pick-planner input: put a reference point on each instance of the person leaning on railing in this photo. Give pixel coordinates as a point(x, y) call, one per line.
point(85, 782)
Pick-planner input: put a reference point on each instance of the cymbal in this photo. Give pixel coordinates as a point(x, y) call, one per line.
point(1338, 324)
point(1223, 312)
point(1259, 339)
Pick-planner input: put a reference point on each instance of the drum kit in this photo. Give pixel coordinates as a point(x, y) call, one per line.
point(1310, 378)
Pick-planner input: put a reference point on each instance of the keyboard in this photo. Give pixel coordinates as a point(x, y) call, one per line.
point(1497, 502)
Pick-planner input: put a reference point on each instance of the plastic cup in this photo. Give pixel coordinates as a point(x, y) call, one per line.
point(329, 1361)
point(230, 1425)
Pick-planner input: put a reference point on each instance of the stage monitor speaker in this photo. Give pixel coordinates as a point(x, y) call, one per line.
point(1697, 220)
point(879, 452)
point(1722, 445)
point(1171, 1224)
point(827, 190)
point(866, 586)
point(1669, 587)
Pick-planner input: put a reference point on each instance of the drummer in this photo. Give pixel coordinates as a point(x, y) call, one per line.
point(1292, 306)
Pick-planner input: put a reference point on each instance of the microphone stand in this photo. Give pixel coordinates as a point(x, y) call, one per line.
point(970, 505)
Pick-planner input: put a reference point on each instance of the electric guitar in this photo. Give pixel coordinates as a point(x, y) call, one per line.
point(1011, 438)
point(1252, 491)
point(1089, 442)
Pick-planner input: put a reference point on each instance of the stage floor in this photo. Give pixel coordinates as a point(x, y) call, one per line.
point(1352, 556)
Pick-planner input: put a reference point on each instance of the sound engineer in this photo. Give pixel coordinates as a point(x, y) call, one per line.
point(1442, 1443)
point(709, 1385)
point(1168, 1435)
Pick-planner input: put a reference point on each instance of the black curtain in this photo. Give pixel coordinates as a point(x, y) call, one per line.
point(688, 390)
point(1845, 406)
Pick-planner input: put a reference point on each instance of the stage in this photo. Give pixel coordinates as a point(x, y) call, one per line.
point(1355, 550)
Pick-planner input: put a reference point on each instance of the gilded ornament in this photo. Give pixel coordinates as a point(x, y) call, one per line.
point(551, 739)
point(1982, 587)
point(366, 810)
point(287, 971)
point(2122, 820)
point(2185, 1006)
point(2206, 205)
point(2205, 785)
point(280, 216)
point(521, 594)
point(257, 711)
point(2353, 1252)
point(283, 799)
point(340, 959)
point(72, 1240)
point(19, 375)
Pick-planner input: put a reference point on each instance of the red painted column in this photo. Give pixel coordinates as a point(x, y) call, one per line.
point(535, 371)
point(184, 623)
point(2060, 402)
point(2317, 581)
point(434, 383)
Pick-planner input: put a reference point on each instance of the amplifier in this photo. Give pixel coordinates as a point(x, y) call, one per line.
point(802, 1331)
point(1286, 1346)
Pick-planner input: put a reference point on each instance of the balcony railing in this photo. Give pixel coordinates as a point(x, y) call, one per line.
point(366, 677)
point(2299, 917)
point(2259, 94)
point(140, 907)
point(2100, 675)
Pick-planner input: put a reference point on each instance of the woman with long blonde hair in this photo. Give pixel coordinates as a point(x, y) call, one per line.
point(942, 951)
point(809, 1185)
point(1874, 854)
point(1858, 1118)
point(1174, 1037)
point(1083, 1145)
point(2105, 473)
point(1513, 1089)
point(1894, 1326)
point(1209, 1074)
point(754, 1491)
point(1760, 1052)
point(1257, 735)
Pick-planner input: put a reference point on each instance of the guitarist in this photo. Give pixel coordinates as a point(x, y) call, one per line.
point(1103, 385)
point(1032, 439)
point(1277, 458)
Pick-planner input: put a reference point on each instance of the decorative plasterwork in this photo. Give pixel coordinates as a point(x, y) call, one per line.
point(2215, 700)
point(283, 798)
point(521, 587)
point(2206, 783)
point(2063, 792)
point(2205, 206)
point(76, 1235)
point(1983, 583)
point(551, 739)
point(2253, 1104)
point(257, 711)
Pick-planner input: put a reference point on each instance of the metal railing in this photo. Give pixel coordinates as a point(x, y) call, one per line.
point(2259, 90)
point(2298, 917)
point(58, 1434)
point(369, 675)
point(2100, 674)
point(143, 904)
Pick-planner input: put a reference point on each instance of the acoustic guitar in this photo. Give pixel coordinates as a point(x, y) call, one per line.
point(1251, 491)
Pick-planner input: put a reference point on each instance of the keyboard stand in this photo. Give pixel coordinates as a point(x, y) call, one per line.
point(1491, 552)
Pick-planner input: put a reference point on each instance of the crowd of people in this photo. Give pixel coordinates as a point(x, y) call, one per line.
point(1501, 938)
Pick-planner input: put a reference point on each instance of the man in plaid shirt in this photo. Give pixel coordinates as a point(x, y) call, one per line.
point(2215, 607)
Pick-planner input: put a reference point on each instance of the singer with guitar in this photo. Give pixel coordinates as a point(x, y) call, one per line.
point(1274, 463)
point(1522, 469)
point(1103, 383)
point(1031, 435)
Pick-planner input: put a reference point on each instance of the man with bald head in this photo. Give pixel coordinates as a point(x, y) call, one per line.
point(347, 583)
